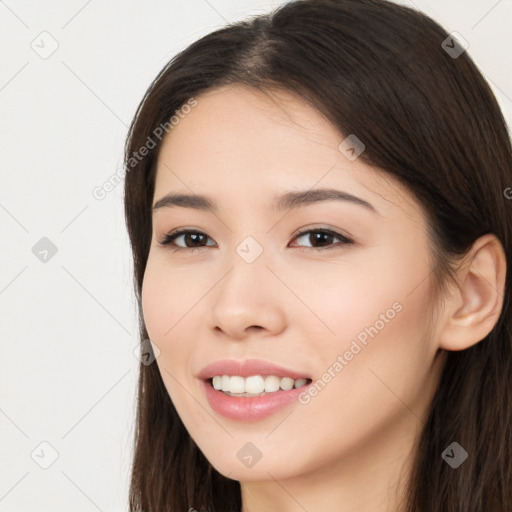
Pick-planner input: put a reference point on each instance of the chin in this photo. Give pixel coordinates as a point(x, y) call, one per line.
point(258, 469)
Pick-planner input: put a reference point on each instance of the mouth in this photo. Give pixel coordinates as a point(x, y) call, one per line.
point(251, 389)
point(255, 385)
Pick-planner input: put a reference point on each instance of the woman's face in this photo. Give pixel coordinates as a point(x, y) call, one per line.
point(344, 309)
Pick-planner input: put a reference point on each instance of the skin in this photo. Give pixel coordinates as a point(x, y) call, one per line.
point(348, 448)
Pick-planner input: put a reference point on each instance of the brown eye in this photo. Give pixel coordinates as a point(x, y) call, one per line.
point(317, 238)
point(320, 238)
point(190, 238)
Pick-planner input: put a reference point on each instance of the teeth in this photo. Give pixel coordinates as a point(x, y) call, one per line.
point(287, 383)
point(272, 384)
point(217, 382)
point(237, 385)
point(254, 385)
point(300, 382)
point(224, 382)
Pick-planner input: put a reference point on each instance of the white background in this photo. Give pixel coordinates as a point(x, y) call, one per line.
point(68, 326)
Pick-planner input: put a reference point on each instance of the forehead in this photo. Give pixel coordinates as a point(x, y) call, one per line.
point(242, 122)
point(238, 140)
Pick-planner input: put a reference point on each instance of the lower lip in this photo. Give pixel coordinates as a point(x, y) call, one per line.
point(251, 408)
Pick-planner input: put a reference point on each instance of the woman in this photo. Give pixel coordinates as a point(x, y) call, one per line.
point(316, 202)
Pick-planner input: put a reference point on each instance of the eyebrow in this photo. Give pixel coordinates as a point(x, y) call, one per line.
point(288, 201)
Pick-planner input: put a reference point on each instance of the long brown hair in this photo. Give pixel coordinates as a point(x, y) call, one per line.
point(428, 118)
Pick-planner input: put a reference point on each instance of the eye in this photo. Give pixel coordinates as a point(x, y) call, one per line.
point(194, 239)
point(189, 236)
point(322, 236)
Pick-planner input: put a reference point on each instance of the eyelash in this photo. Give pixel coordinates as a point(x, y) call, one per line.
point(170, 237)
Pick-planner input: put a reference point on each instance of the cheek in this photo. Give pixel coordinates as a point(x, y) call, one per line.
point(342, 299)
point(373, 315)
point(363, 389)
point(167, 295)
point(154, 303)
point(172, 298)
point(383, 355)
point(163, 307)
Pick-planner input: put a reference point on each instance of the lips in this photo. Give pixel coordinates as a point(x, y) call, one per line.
point(247, 368)
point(249, 408)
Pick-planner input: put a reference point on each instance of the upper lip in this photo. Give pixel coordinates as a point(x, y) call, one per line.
point(248, 367)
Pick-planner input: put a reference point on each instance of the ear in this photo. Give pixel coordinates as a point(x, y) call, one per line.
point(473, 309)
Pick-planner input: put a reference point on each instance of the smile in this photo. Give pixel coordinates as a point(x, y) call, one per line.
point(251, 389)
point(254, 385)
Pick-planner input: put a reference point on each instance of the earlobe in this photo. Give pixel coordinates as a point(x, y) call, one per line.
point(475, 306)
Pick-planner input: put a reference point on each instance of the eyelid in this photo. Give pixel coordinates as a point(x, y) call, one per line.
point(345, 240)
point(333, 231)
point(169, 238)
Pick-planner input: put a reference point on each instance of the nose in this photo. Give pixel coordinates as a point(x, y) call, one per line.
point(248, 301)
